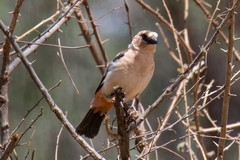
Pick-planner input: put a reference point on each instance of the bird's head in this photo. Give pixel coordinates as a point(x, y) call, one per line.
point(145, 41)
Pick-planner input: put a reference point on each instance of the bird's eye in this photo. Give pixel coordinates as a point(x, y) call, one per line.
point(149, 40)
point(144, 37)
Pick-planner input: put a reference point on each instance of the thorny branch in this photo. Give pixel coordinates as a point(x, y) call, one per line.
point(5, 77)
point(96, 33)
point(88, 38)
point(227, 90)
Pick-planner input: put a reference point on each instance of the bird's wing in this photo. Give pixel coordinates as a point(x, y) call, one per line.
point(109, 67)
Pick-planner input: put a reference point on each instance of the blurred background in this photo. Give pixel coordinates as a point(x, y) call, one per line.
point(24, 94)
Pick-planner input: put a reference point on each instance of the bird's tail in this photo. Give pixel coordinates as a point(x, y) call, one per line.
point(90, 125)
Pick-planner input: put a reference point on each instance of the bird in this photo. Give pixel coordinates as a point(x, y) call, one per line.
point(132, 70)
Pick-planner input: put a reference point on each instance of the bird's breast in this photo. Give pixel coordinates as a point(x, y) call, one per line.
point(132, 76)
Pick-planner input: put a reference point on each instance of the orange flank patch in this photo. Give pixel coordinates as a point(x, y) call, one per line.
point(100, 103)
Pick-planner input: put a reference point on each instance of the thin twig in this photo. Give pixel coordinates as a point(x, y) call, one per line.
point(162, 147)
point(57, 141)
point(188, 139)
point(30, 125)
point(129, 21)
point(54, 45)
point(33, 154)
point(186, 16)
point(51, 18)
point(65, 66)
point(212, 19)
point(29, 144)
point(108, 130)
point(195, 138)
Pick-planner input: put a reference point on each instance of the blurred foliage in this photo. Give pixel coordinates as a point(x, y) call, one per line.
point(24, 94)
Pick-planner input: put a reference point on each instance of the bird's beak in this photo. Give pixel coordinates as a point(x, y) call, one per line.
point(152, 39)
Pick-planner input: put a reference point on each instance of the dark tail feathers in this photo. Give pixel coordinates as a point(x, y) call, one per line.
point(90, 125)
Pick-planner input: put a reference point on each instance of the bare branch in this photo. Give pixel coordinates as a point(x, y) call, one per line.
point(227, 90)
point(123, 136)
point(65, 66)
point(38, 25)
point(29, 144)
point(10, 147)
point(96, 33)
point(5, 76)
point(57, 141)
point(128, 17)
point(54, 45)
point(218, 129)
point(87, 36)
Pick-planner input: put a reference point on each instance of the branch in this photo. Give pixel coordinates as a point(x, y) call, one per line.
point(57, 141)
point(65, 65)
point(10, 147)
point(95, 31)
point(218, 129)
point(123, 136)
point(87, 36)
point(226, 96)
point(54, 45)
point(53, 106)
point(5, 76)
point(129, 21)
point(38, 25)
